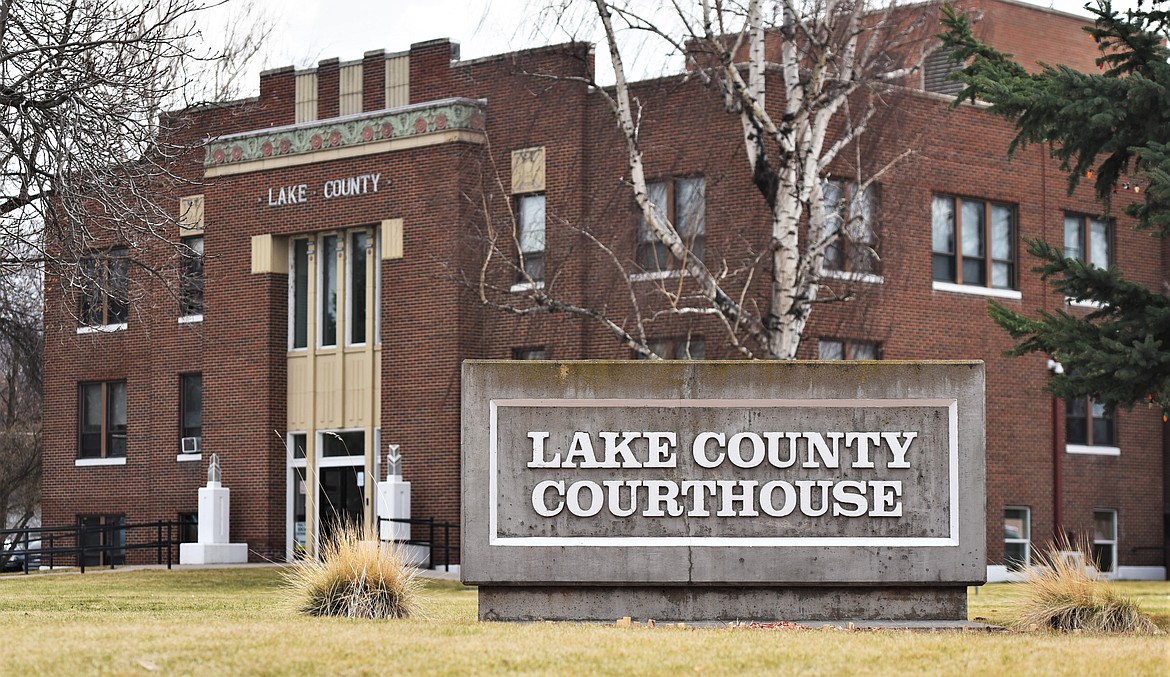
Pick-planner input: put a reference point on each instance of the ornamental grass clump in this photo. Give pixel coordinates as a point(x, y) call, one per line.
point(357, 576)
point(1060, 593)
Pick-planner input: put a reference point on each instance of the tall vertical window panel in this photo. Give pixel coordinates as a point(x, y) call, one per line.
point(191, 280)
point(102, 420)
point(105, 280)
point(531, 236)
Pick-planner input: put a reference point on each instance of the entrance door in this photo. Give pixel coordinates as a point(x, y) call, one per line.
point(339, 501)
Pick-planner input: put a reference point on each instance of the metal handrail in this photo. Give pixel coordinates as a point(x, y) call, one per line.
point(432, 524)
point(74, 535)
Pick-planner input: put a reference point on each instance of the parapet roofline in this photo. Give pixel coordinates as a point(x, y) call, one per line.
point(381, 112)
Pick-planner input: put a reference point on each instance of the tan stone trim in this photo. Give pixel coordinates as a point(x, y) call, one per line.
point(388, 146)
point(392, 239)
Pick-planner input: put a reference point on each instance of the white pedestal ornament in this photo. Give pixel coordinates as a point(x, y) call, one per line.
point(214, 517)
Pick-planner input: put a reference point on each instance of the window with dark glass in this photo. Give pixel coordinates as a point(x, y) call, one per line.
point(1089, 423)
point(850, 221)
point(327, 292)
point(102, 539)
point(683, 348)
point(191, 282)
point(188, 527)
point(682, 201)
point(102, 419)
point(299, 289)
point(343, 443)
point(528, 353)
point(972, 242)
point(1017, 536)
point(1087, 239)
point(360, 242)
point(105, 293)
point(531, 237)
point(837, 349)
point(191, 405)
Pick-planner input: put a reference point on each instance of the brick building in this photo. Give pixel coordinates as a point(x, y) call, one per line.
point(335, 227)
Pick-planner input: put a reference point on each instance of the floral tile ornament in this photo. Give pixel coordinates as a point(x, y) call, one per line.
point(433, 117)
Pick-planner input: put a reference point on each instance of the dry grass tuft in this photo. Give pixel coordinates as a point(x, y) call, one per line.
point(1061, 594)
point(356, 577)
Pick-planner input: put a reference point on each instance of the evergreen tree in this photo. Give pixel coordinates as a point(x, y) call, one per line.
point(1114, 126)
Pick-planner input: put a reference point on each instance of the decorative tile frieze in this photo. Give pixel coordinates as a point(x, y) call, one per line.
point(442, 116)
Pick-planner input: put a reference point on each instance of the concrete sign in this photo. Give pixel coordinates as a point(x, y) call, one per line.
point(723, 491)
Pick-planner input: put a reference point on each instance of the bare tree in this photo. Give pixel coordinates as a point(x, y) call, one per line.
point(20, 398)
point(827, 64)
point(88, 159)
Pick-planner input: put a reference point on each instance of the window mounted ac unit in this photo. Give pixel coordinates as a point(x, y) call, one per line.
point(191, 445)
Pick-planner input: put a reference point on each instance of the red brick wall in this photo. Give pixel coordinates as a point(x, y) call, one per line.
point(432, 320)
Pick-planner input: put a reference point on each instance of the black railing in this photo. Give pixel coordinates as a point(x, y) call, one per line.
point(88, 545)
point(432, 542)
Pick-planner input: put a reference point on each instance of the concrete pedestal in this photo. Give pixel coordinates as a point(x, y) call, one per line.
point(214, 517)
point(393, 503)
point(213, 553)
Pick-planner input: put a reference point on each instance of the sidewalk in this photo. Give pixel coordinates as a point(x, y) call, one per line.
point(421, 573)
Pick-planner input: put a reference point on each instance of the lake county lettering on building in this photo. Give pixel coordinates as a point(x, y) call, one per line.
point(299, 193)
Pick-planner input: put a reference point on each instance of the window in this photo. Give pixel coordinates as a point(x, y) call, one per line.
point(345, 262)
point(849, 228)
point(343, 443)
point(685, 348)
point(836, 349)
point(105, 297)
point(1088, 423)
point(299, 291)
point(102, 539)
point(327, 292)
point(360, 244)
point(1017, 537)
point(191, 282)
point(973, 242)
point(531, 237)
point(683, 202)
point(528, 353)
point(1105, 540)
point(188, 527)
point(1087, 239)
point(191, 405)
point(102, 420)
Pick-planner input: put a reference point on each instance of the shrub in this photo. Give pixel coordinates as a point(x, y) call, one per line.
point(1061, 594)
point(356, 577)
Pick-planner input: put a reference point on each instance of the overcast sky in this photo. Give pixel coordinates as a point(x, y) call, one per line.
point(307, 31)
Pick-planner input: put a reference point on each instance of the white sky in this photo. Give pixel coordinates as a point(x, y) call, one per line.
point(307, 31)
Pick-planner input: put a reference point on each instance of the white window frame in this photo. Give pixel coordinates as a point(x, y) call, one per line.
point(1111, 543)
point(292, 289)
point(1026, 539)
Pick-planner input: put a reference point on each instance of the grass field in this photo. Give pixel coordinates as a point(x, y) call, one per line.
point(238, 621)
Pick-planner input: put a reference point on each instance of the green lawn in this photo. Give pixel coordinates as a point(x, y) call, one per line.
point(238, 621)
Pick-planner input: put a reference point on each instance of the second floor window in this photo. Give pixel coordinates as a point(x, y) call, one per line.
point(105, 295)
point(102, 420)
point(1087, 239)
point(683, 348)
point(849, 227)
point(339, 273)
point(191, 405)
point(530, 234)
point(836, 349)
point(683, 202)
point(1088, 423)
point(191, 283)
point(973, 242)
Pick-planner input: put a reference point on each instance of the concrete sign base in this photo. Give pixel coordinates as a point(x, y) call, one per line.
point(708, 491)
point(726, 604)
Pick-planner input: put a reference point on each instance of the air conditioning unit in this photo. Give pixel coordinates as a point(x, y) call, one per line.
point(191, 445)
